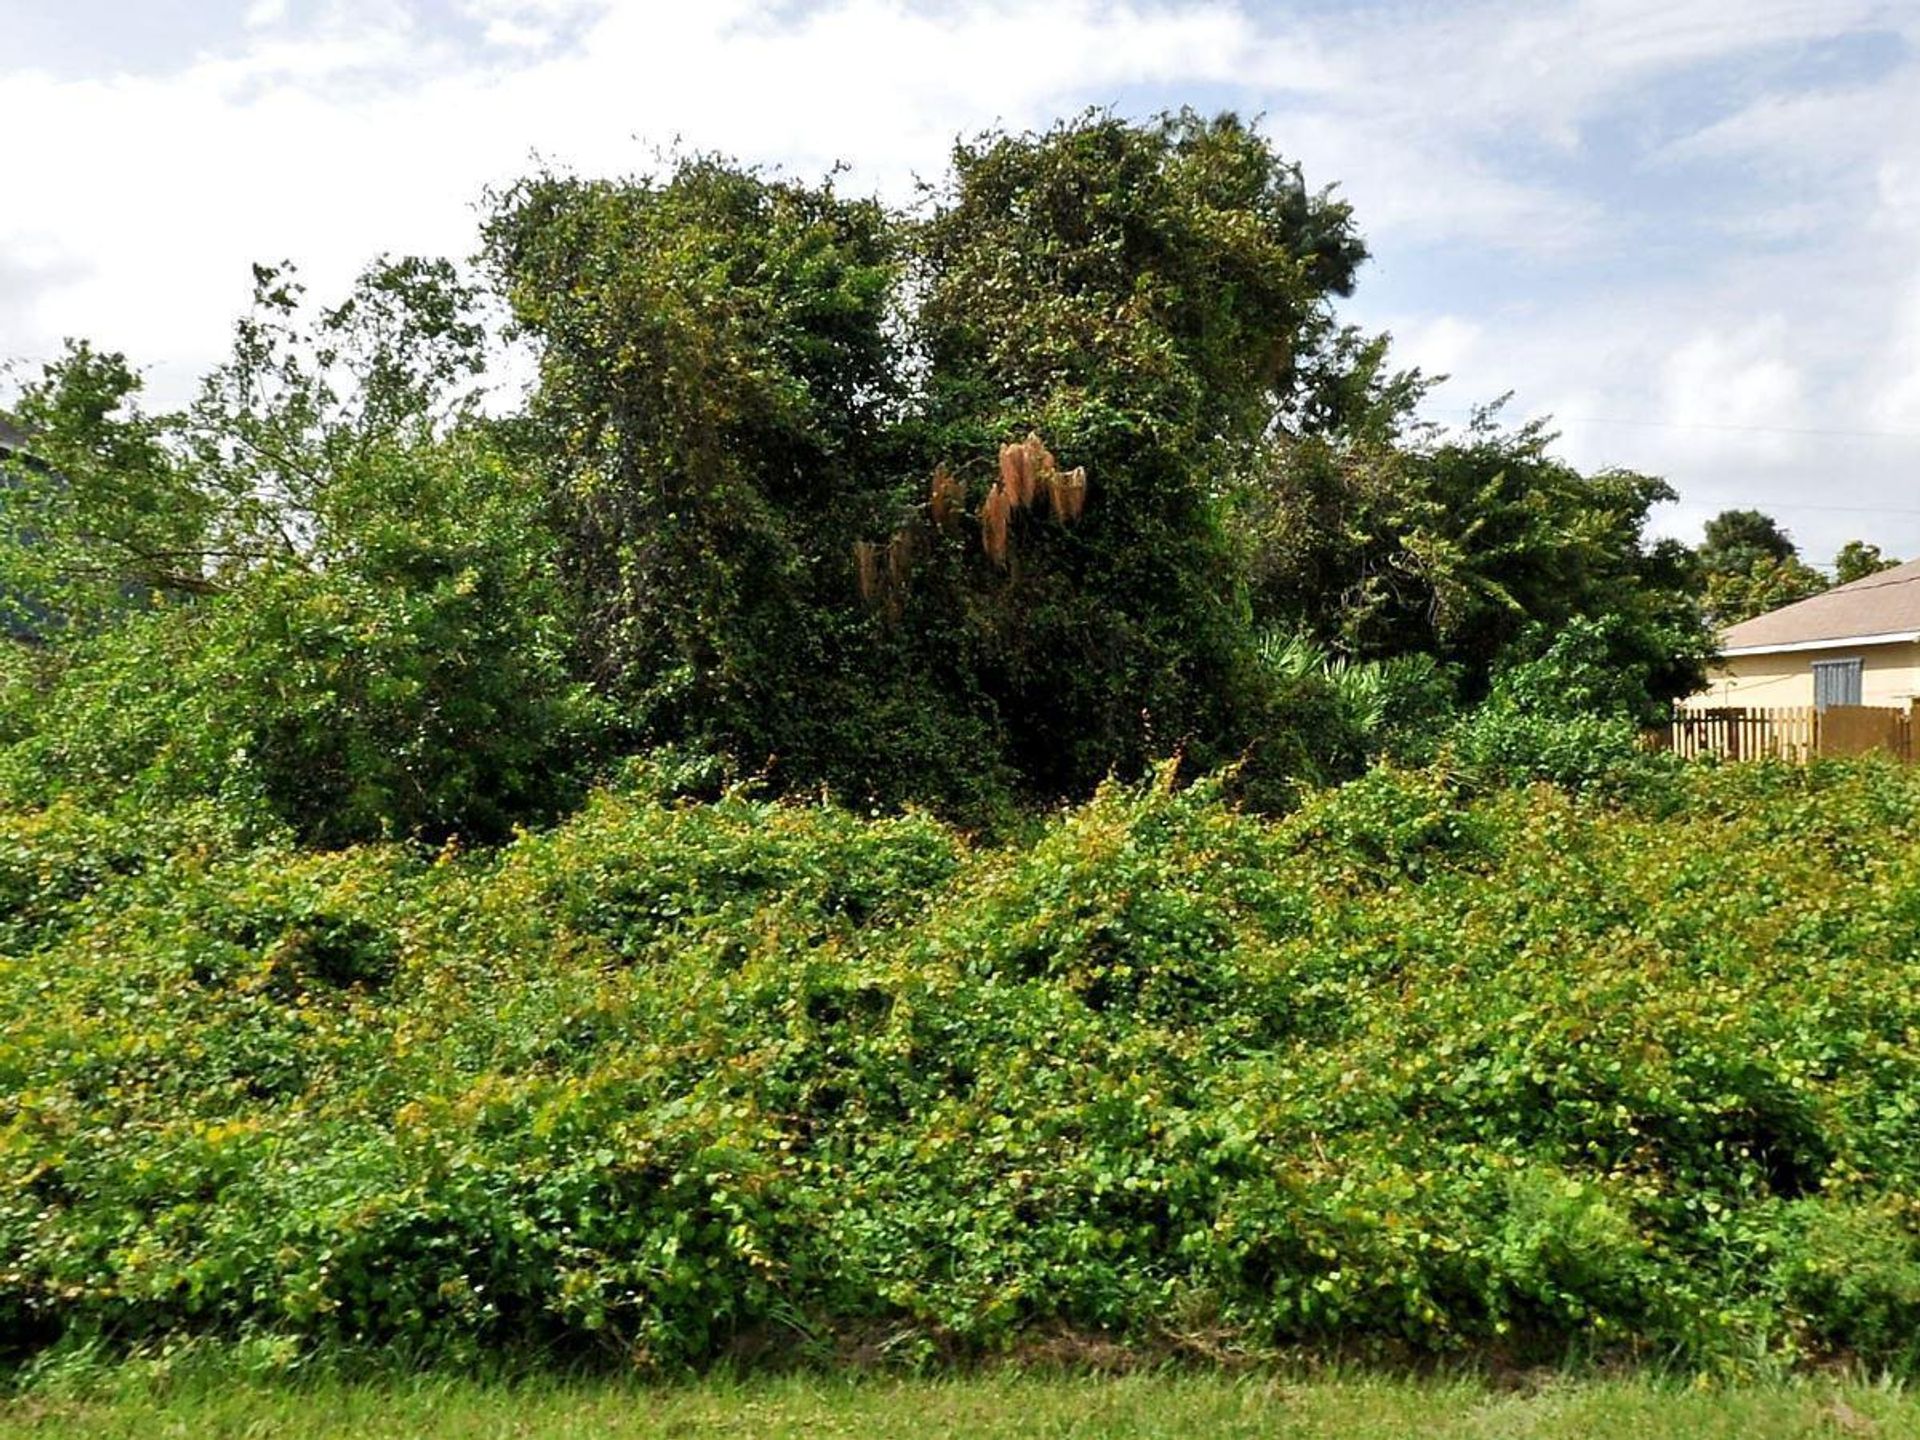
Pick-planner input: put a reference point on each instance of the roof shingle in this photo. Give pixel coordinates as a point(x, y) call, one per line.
point(1884, 604)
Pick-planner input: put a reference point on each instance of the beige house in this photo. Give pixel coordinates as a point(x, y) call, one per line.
point(1856, 644)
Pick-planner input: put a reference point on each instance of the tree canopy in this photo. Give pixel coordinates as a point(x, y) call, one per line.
point(1856, 560)
point(1747, 565)
point(1071, 466)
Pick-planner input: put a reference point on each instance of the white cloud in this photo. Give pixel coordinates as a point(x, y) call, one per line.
point(1441, 345)
point(354, 134)
point(517, 35)
point(1742, 384)
point(1895, 402)
point(527, 24)
point(1426, 184)
point(1557, 61)
point(1463, 134)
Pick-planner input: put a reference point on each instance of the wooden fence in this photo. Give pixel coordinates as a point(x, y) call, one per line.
point(1796, 734)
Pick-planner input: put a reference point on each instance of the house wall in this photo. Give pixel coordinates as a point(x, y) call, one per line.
point(1889, 675)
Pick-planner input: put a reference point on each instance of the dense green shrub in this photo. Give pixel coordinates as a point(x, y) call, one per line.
point(1500, 745)
point(1381, 539)
point(1400, 1070)
point(1849, 1274)
point(413, 686)
point(1570, 714)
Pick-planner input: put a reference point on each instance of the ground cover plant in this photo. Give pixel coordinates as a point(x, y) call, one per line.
point(1419, 1069)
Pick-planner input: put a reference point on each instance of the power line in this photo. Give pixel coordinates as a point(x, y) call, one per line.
point(1836, 509)
point(1829, 433)
point(1746, 429)
point(1800, 505)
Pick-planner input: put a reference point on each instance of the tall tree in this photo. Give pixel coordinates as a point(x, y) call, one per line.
point(721, 383)
point(1465, 547)
point(1857, 559)
point(321, 592)
point(1734, 539)
point(788, 436)
point(1145, 298)
point(100, 514)
point(1749, 565)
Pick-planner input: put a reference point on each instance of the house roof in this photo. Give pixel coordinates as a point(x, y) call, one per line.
point(1882, 607)
point(12, 437)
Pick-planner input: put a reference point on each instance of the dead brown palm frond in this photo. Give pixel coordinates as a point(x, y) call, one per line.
point(1040, 461)
point(1017, 475)
point(900, 559)
point(995, 512)
point(1067, 493)
point(946, 498)
point(866, 567)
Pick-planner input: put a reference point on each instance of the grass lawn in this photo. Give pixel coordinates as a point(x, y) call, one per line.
point(1353, 1407)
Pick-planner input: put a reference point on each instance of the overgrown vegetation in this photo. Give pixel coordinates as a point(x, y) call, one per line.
point(691, 862)
point(1411, 1070)
point(968, 506)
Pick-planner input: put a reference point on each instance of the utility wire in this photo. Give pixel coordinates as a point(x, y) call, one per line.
point(1704, 425)
point(1835, 509)
point(1803, 505)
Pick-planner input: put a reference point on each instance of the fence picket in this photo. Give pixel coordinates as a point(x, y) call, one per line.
point(1793, 733)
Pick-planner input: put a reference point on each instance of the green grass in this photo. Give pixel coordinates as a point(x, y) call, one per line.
point(1354, 1407)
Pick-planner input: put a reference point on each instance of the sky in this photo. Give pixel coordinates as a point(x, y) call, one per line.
point(1687, 230)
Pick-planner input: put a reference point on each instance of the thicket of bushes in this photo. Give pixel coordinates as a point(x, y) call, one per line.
point(965, 505)
point(1414, 1066)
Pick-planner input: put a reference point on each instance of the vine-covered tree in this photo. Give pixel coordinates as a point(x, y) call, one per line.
point(1147, 298)
point(1070, 467)
point(776, 421)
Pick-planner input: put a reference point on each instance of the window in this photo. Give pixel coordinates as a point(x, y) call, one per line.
point(1835, 682)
